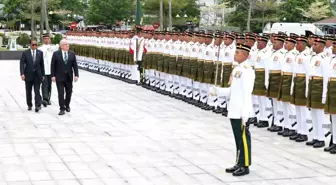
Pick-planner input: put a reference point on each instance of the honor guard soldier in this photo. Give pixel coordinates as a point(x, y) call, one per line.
point(48, 51)
point(273, 77)
point(174, 52)
point(330, 106)
point(241, 109)
point(328, 47)
point(317, 91)
point(260, 86)
point(198, 85)
point(285, 88)
point(299, 88)
point(226, 58)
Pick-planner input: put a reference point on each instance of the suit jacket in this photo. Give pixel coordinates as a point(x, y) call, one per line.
point(62, 71)
point(29, 68)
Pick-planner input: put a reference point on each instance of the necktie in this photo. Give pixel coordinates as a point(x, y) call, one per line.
point(34, 58)
point(65, 58)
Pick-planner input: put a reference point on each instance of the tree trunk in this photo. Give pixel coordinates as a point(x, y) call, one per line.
point(250, 3)
point(46, 20)
point(32, 22)
point(170, 16)
point(41, 22)
point(161, 15)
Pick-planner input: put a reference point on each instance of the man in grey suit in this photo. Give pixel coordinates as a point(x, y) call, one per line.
point(32, 72)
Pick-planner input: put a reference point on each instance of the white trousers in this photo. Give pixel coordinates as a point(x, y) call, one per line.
point(221, 97)
point(264, 105)
point(256, 105)
point(289, 115)
point(189, 84)
point(162, 80)
point(204, 89)
point(196, 90)
point(302, 114)
point(333, 127)
point(319, 119)
point(277, 112)
point(169, 83)
point(176, 84)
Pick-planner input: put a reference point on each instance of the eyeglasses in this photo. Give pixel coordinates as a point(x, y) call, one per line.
point(34, 44)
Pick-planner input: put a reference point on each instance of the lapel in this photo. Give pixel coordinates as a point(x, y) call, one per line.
point(30, 56)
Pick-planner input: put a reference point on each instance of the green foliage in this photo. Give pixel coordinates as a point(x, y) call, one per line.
point(57, 39)
point(23, 40)
point(180, 7)
point(110, 11)
point(290, 12)
point(4, 39)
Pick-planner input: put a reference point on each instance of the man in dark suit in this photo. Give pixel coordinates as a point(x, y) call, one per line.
point(63, 65)
point(32, 72)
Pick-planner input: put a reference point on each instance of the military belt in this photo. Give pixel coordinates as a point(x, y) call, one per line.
point(193, 58)
point(227, 64)
point(316, 78)
point(300, 75)
point(259, 69)
point(332, 79)
point(185, 57)
point(166, 55)
point(209, 61)
point(200, 60)
point(275, 71)
point(287, 73)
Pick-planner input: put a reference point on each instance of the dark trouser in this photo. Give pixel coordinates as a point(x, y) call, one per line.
point(29, 87)
point(46, 88)
point(140, 68)
point(243, 142)
point(61, 85)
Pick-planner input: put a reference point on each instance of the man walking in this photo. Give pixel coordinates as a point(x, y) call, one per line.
point(32, 72)
point(48, 51)
point(63, 65)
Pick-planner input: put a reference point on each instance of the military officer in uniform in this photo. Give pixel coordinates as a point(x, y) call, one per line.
point(330, 106)
point(241, 109)
point(299, 87)
point(317, 92)
point(48, 51)
point(285, 87)
point(260, 88)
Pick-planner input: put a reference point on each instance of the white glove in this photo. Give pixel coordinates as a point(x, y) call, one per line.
point(324, 100)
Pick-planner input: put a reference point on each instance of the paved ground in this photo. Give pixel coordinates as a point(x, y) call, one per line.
point(122, 134)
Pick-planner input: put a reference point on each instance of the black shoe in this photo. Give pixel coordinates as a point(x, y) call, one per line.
point(49, 103)
point(61, 113)
point(277, 129)
point(44, 103)
point(225, 113)
point(311, 143)
point(263, 124)
point(328, 149)
point(333, 151)
point(302, 138)
point(319, 144)
point(241, 171)
point(232, 169)
point(67, 109)
point(210, 108)
point(38, 108)
point(271, 128)
point(29, 108)
point(294, 137)
point(282, 132)
point(289, 133)
point(253, 121)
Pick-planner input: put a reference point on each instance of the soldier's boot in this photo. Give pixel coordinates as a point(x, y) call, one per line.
point(331, 146)
point(302, 138)
point(289, 133)
point(295, 136)
point(263, 124)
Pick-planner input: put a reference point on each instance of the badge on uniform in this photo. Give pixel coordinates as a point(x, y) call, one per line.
point(258, 59)
point(207, 53)
point(289, 60)
point(275, 58)
point(180, 48)
point(194, 50)
point(237, 74)
point(317, 63)
point(226, 54)
point(300, 61)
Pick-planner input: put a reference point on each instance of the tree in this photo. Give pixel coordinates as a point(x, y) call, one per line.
point(265, 5)
point(179, 7)
point(110, 11)
point(316, 11)
point(290, 11)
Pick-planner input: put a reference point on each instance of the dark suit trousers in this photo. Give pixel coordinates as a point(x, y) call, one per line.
point(67, 86)
point(46, 88)
point(36, 83)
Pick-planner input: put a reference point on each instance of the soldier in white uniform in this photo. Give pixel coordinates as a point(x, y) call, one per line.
point(241, 109)
point(137, 49)
point(273, 72)
point(285, 88)
point(299, 88)
point(317, 92)
point(330, 106)
point(260, 87)
point(48, 51)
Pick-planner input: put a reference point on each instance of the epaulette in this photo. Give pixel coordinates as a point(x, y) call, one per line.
point(323, 56)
